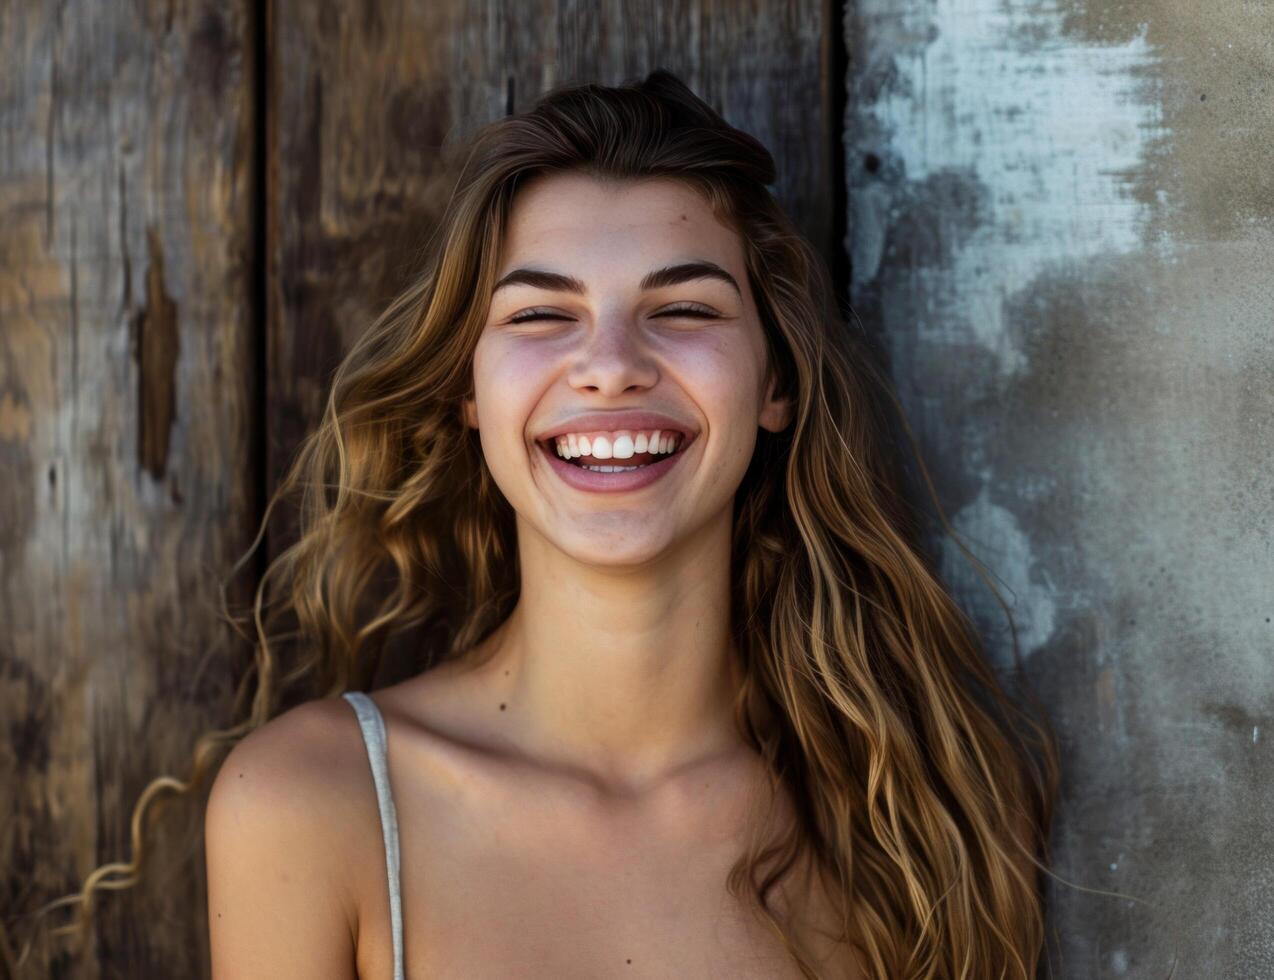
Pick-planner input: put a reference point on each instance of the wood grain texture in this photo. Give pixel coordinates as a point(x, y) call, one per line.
point(127, 358)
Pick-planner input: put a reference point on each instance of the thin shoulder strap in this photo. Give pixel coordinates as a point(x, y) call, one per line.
point(373, 726)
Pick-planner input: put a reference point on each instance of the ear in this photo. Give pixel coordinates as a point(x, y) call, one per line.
point(776, 412)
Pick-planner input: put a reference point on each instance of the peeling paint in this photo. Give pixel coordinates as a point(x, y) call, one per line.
point(994, 535)
point(1047, 133)
point(1059, 224)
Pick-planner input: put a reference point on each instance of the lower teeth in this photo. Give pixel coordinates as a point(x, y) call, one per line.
point(612, 469)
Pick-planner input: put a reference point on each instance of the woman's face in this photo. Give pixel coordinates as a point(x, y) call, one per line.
point(573, 331)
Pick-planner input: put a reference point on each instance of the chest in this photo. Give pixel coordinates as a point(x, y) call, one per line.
point(544, 886)
point(566, 911)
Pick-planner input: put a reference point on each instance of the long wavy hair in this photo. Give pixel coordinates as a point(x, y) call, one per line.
point(923, 794)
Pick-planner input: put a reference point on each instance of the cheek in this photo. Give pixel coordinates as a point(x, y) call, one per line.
point(724, 377)
point(507, 382)
point(498, 363)
point(722, 373)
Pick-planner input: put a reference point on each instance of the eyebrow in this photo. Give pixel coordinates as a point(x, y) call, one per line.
point(671, 275)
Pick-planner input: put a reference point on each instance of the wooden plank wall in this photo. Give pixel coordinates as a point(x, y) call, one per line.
point(127, 359)
point(200, 206)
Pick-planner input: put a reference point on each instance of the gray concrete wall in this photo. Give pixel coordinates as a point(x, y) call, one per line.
point(1062, 227)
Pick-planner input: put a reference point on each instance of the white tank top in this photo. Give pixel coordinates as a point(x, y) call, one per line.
point(373, 726)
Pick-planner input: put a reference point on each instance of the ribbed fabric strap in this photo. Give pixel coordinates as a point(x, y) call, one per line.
point(373, 726)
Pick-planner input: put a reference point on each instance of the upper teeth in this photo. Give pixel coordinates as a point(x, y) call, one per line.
point(617, 445)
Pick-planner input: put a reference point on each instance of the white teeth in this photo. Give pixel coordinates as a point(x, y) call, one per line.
point(621, 445)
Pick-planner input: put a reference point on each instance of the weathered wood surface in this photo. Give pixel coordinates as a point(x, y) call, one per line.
point(127, 474)
point(133, 334)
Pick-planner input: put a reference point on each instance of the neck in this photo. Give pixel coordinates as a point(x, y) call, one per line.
point(625, 675)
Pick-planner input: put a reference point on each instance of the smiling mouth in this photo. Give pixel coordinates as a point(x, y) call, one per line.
point(612, 464)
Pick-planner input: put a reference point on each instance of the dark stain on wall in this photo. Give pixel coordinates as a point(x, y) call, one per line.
point(932, 218)
point(211, 53)
point(156, 335)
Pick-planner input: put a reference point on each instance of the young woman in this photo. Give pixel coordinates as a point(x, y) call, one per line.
point(693, 703)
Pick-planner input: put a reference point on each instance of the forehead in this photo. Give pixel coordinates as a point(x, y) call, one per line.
point(582, 221)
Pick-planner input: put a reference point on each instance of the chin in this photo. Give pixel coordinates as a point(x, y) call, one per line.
point(618, 550)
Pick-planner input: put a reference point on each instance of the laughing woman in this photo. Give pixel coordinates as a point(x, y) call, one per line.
point(692, 703)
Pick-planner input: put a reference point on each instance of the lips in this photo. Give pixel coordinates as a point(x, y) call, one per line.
point(630, 478)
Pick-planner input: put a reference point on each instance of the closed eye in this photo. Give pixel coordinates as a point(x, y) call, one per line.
point(697, 312)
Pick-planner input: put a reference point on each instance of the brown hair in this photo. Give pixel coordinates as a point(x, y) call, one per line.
point(923, 794)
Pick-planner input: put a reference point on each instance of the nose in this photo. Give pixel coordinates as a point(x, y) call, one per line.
point(612, 359)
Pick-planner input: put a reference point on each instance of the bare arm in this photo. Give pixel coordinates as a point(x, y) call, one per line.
point(279, 902)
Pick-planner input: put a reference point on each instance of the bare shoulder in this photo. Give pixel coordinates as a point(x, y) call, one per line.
point(299, 745)
point(282, 816)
